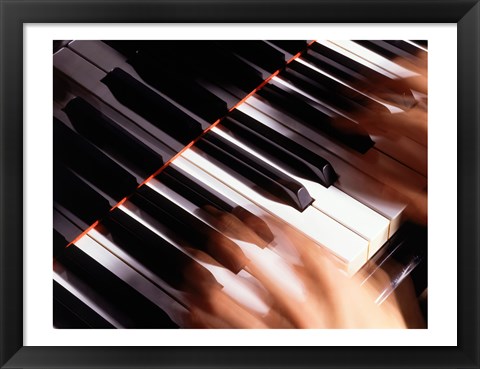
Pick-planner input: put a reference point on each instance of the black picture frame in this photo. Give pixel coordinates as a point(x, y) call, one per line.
point(14, 13)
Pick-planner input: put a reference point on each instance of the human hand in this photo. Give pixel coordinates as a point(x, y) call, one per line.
point(411, 123)
point(325, 297)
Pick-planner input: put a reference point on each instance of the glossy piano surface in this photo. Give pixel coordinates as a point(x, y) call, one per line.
point(163, 148)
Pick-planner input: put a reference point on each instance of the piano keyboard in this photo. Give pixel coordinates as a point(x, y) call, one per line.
point(154, 139)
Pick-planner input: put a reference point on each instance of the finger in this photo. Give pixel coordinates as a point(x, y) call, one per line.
point(418, 83)
point(317, 261)
point(215, 303)
point(196, 277)
point(257, 224)
point(412, 124)
point(199, 318)
point(296, 310)
point(276, 320)
point(224, 250)
point(233, 227)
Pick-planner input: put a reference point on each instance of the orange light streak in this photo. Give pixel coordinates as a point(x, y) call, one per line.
point(83, 233)
point(167, 163)
point(119, 203)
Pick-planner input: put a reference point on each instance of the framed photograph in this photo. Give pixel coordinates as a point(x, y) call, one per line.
point(288, 196)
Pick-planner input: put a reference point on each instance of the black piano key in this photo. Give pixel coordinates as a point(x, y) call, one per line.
point(393, 50)
point(196, 233)
point(321, 171)
point(321, 60)
point(316, 50)
point(206, 59)
point(341, 129)
point(378, 48)
point(349, 70)
point(151, 250)
point(70, 312)
point(422, 43)
point(199, 194)
point(329, 90)
point(66, 228)
point(269, 179)
point(407, 47)
point(77, 196)
point(179, 85)
point(127, 305)
point(191, 190)
point(176, 53)
point(112, 138)
point(320, 90)
point(91, 164)
point(258, 52)
point(151, 106)
point(220, 65)
point(317, 163)
point(292, 46)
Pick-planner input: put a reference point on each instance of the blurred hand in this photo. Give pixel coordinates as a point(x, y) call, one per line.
point(327, 298)
point(411, 123)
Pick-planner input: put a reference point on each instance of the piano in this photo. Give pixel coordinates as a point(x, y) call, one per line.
point(154, 139)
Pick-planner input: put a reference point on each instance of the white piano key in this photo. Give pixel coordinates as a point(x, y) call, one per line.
point(401, 148)
point(107, 58)
point(136, 265)
point(89, 77)
point(240, 289)
point(375, 58)
point(275, 267)
point(336, 204)
point(349, 247)
point(147, 288)
point(352, 181)
point(233, 285)
point(391, 108)
point(76, 288)
point(355, 57)
point(380, 166)
point(416, 45)
point(281, 244)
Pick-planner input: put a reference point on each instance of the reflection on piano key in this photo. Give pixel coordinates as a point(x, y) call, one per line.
point(201, 195)
point(351, 180)
point(76, 72)
point(373, 162)
point(345, 244)
point(336, 204)
point(268, 178)
point(316, 117)
point(78, 196)
point(103, 132)
point(87, 269)
point(371, 57)
point(394, 50)
point(162, 203)
point(151, 106)
point(235, 285)
point(259, 53)
point(293, 160)
point(91, 164)
point(272, 143)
